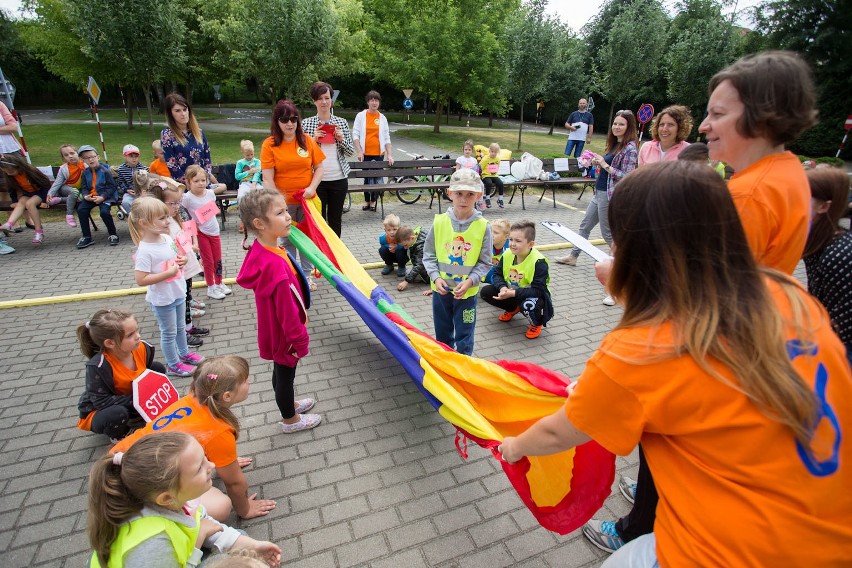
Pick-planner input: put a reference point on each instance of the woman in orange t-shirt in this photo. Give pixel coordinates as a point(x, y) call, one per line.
point(371, 136)
point(730, 376)
point(117, 355)
point(291, 163)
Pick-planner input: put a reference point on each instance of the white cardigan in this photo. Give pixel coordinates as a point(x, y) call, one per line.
point(359, 130)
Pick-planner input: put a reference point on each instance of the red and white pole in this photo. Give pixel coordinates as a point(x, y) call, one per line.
point(21, 134)
point(847, 125)
point(101, 132)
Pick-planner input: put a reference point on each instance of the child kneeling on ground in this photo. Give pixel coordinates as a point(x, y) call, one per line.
point(413, 240)
point(389, 248)
point(521, 280)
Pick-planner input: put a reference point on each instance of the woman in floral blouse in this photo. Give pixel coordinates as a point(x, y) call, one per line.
point(183, 141)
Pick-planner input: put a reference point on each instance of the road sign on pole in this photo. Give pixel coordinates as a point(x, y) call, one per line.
point(408, 104)
point(645, 114)
point(407, 93)
point(93, 90)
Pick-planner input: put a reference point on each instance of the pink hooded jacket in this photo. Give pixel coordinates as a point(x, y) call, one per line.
point(282, 304)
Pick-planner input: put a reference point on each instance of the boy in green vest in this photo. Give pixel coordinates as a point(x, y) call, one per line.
point(521, 280)
point(457, 256)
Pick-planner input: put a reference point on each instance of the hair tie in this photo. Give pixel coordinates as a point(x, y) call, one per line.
point(162, 185)
point(87, 325)
point(116, 458)
point(212, 377)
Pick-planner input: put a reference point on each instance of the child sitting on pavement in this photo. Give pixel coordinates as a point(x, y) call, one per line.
point(500, 231)
point(389, 249)
point(521, 280)
point(66, 186)
point(126, 173)
point(413, 240)
point(457, 255)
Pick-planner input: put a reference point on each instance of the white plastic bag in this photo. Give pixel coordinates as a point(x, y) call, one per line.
point(533, 166)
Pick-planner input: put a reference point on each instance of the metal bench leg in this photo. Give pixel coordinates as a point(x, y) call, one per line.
point(93, 224)
point(382, 202)
point(523, 203)
point(514, 188)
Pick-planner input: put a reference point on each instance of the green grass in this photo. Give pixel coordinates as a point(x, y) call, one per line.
point(541, 145)
point(119, 114)
point(43, 141)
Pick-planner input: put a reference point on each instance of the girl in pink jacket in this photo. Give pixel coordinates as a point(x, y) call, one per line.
point(282, 297)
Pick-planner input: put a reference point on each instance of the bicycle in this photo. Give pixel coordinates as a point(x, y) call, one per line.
point(409, 196)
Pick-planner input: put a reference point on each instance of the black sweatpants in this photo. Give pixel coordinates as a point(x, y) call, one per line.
point(533, 307)
point(641, 518)
point(283, 378)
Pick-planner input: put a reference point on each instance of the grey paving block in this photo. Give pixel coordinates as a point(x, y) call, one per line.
point(362, 551)
point(325, 538)
point(407, 558)
point(411, 534)
point(447, 547)
point(495, 556)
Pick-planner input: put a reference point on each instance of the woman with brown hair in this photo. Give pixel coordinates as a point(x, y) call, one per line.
point(729, 375)
point(828, 251)
point(291, 163)
point(669, 130)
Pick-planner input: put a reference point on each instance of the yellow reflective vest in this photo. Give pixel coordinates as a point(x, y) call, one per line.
point(457, 253)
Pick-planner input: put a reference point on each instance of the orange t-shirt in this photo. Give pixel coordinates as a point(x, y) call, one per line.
point(294, 166)
point(188, 415)
point(160, 168)
point(773, 199)
point(372, 146)
point(283, 254)
point(75, 173)
point(24, 183)
point(122, 377)
point(733, 488)
point(94, 190)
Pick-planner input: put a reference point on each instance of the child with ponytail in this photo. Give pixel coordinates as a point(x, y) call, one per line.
point(143, 508)
point(218, 384)
point(117, 355)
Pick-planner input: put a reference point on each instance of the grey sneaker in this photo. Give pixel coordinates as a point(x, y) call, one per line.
point(5, 248)
point(570, 260)
point(306, 422)
point(85, 242)
point(603, 535)
point(627, 486)
point(113, 240)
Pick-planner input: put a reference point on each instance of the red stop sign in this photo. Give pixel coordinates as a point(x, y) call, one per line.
point(153, 392)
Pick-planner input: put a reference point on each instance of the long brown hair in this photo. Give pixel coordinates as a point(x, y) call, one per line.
point(827, 184)
point(613, 146)
point(214, 377)
point(105, 324)
point(117, 492)
point(285, 107)
point(173, 99)
point(681, 257)
point(17, 164)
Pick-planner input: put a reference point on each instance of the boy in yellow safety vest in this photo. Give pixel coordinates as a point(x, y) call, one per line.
point(457, 256)
point(521, 280)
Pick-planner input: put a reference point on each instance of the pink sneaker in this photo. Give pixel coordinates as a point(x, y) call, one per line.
point(180, 370)
point(38, 238)
point(54, 201)
point(192, 358)
point(72, 222)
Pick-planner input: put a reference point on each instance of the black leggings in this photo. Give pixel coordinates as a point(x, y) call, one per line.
point(496, 181)
point(187, 316)
point(536, 313)
point(641, 518)
point(113, 421)
point(333, 196)
point(282, 383)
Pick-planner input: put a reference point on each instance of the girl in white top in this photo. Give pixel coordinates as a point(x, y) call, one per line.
point(160, 268)
point(200, 201)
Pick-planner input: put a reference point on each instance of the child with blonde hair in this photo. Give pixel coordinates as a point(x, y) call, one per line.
point(218, 384)
point(67, 184)
point(282, 296)
point(500, 234)
point(116, 355)
point(489, 166)
point(144, 509)
point(158, 166)
point(160, 268)
point(197, 201)
point(389, 248)
point(248, 169)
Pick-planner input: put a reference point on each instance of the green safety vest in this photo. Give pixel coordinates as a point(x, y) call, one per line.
point(457, 253)
point(524, 271)
point(132, 534)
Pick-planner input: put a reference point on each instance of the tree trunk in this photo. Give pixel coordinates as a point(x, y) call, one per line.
point(552, 124)
point(448, 113)
point(147, 91)
point(189, 91)
point(460, 113)
point(129, 108)
point(490, 119)
point(438, 110)
point(521, 125)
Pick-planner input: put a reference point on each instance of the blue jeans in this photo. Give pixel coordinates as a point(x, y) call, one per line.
point(170, 319)
point(596, 212)
point(455, 321)
point(576, 145)
point(400, 257)
point(84, 211)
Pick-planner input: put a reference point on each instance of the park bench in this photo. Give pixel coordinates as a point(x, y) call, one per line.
point(430, 175)
point(552, 185)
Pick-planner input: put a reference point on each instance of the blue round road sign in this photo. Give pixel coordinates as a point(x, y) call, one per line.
point(646, 113)
point(408, 104)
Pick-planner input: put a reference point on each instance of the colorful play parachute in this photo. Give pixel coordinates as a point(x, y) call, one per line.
point(484, 400)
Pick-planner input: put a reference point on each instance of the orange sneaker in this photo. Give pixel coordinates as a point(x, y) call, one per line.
point(533, 332)
point(507, 316)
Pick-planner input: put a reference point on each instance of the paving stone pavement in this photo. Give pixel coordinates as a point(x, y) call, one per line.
point(379, 483)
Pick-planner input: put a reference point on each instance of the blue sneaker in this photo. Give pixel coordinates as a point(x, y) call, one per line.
point(603, 535)
point(5, 248)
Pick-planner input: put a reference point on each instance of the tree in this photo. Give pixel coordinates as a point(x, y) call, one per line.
point(205, 46)
point(284, 42)
point(699, 27)
point(567, 80)
point(530, 54)
point(454, 56)
point(821, 30)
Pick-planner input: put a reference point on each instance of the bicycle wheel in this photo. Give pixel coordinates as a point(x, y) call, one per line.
point(408, 196)
point(347, 203)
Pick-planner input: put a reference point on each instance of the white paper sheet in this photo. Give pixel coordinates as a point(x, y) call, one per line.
point(578, 241)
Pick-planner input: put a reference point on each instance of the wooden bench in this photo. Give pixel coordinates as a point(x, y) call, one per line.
point(552, 185)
